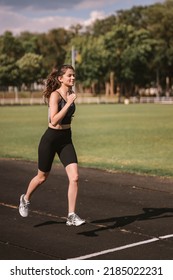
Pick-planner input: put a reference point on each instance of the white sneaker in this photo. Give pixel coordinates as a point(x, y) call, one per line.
point(23, 207)
point(74, 220)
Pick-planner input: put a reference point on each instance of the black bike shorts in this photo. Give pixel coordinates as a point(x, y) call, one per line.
point(56, 141)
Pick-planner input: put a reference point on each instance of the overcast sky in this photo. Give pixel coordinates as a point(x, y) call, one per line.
point(43, 15)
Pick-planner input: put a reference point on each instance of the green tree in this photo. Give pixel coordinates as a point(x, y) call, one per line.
point(10, 50)
point(160, 25)
point(30, 66)
point(89, 62)
point(11, 45)
point(52, 46)
point(29, 41)
point(102, 26)
point(128, 53)
point(9, 71)
point(135, 17)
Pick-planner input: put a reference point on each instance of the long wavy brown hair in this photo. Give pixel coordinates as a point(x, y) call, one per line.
point(52, 82)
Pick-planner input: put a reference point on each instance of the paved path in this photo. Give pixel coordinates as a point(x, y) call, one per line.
point(128, 216)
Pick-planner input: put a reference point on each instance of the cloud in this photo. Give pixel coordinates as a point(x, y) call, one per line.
point(38, 16)
point(94, 15)
point(17, 23)
point(39, 4)
point(10, 20)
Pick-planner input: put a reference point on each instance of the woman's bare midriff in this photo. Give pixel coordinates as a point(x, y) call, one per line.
point(60, 126)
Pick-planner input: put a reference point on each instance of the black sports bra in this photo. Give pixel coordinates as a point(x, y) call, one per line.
point(68, 117)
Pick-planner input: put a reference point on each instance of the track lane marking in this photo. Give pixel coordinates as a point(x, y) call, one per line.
point(43, 213)
point(104, 252)
point(33, 211)
point(101, 252)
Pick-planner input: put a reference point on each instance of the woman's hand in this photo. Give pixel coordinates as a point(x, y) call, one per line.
point(71, 98)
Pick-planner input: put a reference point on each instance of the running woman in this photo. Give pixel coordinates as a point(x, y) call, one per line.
point(57, 139)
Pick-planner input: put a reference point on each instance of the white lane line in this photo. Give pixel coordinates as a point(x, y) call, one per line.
point(122, 247)
point(166, 236)
point(8, 205)
point(33, 211)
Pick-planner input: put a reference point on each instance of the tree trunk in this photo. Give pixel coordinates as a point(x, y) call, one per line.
point(93, 88)
point(112, 83)
point(118, 93)
point(16, 94)
point(107, 88)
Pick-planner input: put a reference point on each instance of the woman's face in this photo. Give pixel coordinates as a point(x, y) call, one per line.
point(68, 78)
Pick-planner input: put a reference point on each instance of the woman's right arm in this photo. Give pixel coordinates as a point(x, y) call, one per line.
point(55, 115)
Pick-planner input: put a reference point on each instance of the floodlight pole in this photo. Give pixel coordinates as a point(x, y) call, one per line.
point(73, 56)
point(73, 60)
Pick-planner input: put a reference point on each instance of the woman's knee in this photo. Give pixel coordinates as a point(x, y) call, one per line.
point(72, 172)
point(74, 177)
point(42, 177)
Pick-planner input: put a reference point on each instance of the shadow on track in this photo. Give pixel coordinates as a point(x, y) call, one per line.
point(118, 222)
point(47, 223)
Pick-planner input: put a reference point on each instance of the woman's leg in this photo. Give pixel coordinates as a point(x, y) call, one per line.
point(39, 179)
point(45, 158)
point(24, 199)
point(72, 173)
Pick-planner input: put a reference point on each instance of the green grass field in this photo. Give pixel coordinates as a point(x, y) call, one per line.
point(130, 138)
